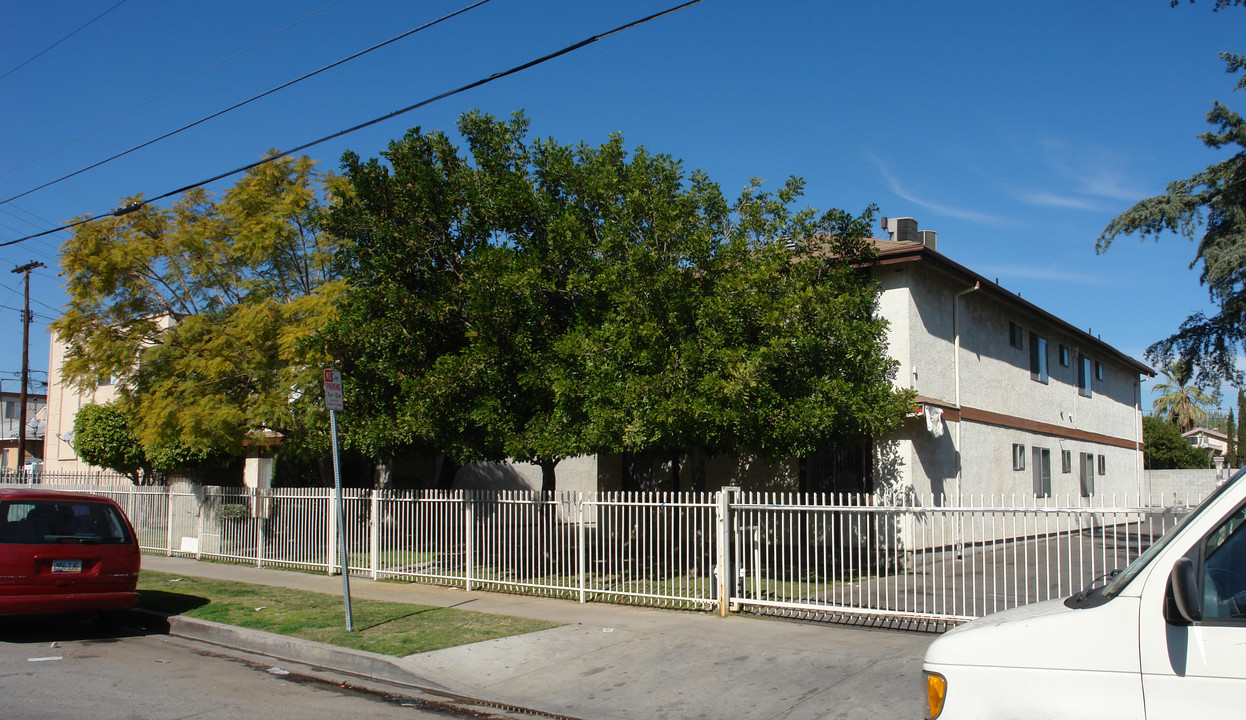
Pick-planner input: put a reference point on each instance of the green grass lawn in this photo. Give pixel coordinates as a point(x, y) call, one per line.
point(382, 627)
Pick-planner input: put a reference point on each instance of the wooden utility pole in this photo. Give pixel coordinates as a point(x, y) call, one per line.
point(21, 427)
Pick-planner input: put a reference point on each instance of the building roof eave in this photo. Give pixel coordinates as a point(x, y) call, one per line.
point(891, 252)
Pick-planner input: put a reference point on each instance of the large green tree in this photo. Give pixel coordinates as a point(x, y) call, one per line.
point(200, 312)
point(400, 329)
point(536, 300)
point(1211, 204)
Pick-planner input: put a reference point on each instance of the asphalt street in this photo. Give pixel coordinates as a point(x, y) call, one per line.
point(55, 668)
point(616, 662)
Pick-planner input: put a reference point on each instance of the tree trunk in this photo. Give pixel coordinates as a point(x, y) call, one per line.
point(549, 480)
point(384, 473)
point(446, 470)
point(696, 463)
point(629, 472)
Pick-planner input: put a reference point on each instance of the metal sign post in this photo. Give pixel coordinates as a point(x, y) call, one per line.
point(333, 401)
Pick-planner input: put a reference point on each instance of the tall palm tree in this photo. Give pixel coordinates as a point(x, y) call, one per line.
point(1181, 403)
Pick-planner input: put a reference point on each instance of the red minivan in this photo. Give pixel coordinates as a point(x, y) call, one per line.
point(63, 552)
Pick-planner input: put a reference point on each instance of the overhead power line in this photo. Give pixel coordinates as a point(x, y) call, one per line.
point(249, 100)
point(285, 153)
point(58, 42)
point(33, 314)
point(15, 291)
point(156, 97)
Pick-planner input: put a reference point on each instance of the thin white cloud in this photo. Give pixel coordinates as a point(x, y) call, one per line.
point(1049, 199)
point(939, 209)
point(1086, 176)
point(1094, 171)
point(1049, 274)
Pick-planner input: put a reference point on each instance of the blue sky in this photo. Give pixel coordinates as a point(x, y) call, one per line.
point(1014, 130)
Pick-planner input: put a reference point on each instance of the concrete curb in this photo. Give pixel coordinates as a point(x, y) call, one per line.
point(360, 663)
point(284, 647)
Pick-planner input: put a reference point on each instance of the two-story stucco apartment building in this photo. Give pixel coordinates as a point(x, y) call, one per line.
point(1013, 400)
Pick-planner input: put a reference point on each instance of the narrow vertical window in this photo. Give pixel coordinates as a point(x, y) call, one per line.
point(1018, 457)
point(1088, 474)
point(1042, 472)
point(1038, 358)
point(1083, 376)
point(1064, 356)
point(1066, 461)
point(1014, 335)
point(1103, 465)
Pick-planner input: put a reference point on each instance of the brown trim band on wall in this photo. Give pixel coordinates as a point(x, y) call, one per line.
point(1016, 423)
point(950, 412)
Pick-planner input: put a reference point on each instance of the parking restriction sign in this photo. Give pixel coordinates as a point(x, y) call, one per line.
point(333, 390)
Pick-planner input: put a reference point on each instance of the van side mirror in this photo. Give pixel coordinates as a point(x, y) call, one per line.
point(1184, 585)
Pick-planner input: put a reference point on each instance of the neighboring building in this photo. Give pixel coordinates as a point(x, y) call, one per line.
point(10, 427)
point(1214, 440)
point(1012, 400)
point(62, 406)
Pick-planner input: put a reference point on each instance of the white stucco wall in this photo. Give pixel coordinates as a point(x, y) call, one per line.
point(578, 474)
point(995, 379)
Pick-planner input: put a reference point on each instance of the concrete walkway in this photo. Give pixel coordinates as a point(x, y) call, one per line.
point(613, 661)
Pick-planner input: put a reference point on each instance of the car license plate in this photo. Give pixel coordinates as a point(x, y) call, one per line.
point(66, 566)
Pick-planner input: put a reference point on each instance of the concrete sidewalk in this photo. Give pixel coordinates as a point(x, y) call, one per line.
point(613, 661)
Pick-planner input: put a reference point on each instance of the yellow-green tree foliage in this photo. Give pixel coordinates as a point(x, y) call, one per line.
point(199, 312)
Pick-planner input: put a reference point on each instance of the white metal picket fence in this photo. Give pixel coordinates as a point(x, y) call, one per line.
point(920, 562)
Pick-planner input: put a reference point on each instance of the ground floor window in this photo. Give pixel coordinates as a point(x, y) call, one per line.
point(1088, 474)
point(1018, 456)
point(1042, 472)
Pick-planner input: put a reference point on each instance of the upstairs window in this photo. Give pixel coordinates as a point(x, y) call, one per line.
point(1083, 376)
point(1038, 358)
point(1099, 371)
point(1064, 356)
point(1014, 335)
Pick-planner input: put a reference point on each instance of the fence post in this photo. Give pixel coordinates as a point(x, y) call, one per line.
point(725, 572)
point(199, 528)
point(257, 503)
point(331, 541)
point(168, 522)
point(581, 552)
point(138, 523)
point(469, 525)
point(374, 534)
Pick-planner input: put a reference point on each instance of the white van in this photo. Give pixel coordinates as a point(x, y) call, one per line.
point(1164, 638)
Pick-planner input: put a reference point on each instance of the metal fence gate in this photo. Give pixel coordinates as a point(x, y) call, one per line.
point(921, 562)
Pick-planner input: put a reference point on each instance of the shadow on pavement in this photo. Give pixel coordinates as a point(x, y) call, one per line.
point(170, 603)
point(58, 628)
